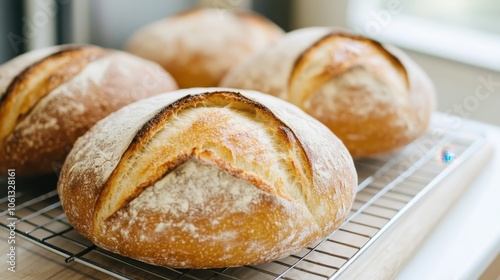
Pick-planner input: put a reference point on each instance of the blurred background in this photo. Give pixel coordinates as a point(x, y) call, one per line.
point(456, 42)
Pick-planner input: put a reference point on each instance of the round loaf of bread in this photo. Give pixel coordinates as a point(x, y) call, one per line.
point(201, 178)
point(199, 46)
point(50, 97)
point(372, 96)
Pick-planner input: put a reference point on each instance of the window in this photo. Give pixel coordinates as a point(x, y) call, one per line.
point(464, 30)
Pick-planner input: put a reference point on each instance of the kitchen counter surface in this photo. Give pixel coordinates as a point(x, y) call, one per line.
point(467, 240)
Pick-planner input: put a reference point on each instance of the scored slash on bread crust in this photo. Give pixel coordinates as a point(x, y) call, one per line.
point(51, 96)
point(271, 180)
point(344, 52)
point(38, 80)
point(371, 95)
point(368, 122)
point(218, 122)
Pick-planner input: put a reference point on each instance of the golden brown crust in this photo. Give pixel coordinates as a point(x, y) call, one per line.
point(36, 81)
point(380, 133)
point(207, 178)
point(213, 126)
point(347, 51)
point(370, 95)
point(62, 95)
point(213, 40)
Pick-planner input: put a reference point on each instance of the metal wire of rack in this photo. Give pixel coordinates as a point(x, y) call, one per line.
point(388, 186)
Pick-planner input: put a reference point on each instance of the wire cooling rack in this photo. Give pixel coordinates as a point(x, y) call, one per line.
point(388, 187)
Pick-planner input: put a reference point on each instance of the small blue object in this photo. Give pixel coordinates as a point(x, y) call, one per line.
point(447, 155)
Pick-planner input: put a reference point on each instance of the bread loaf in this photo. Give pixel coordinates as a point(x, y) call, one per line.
point(50, 97)
point(199, 46)
point(372, 96)
point(204, 178)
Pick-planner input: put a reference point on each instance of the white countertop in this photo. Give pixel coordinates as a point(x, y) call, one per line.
point(468, 238)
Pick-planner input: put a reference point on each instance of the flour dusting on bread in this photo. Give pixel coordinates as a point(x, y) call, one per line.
point(193, 189)
point(207, 177)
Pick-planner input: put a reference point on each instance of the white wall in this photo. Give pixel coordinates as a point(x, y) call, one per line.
point(319, 13)
point(463, 90)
